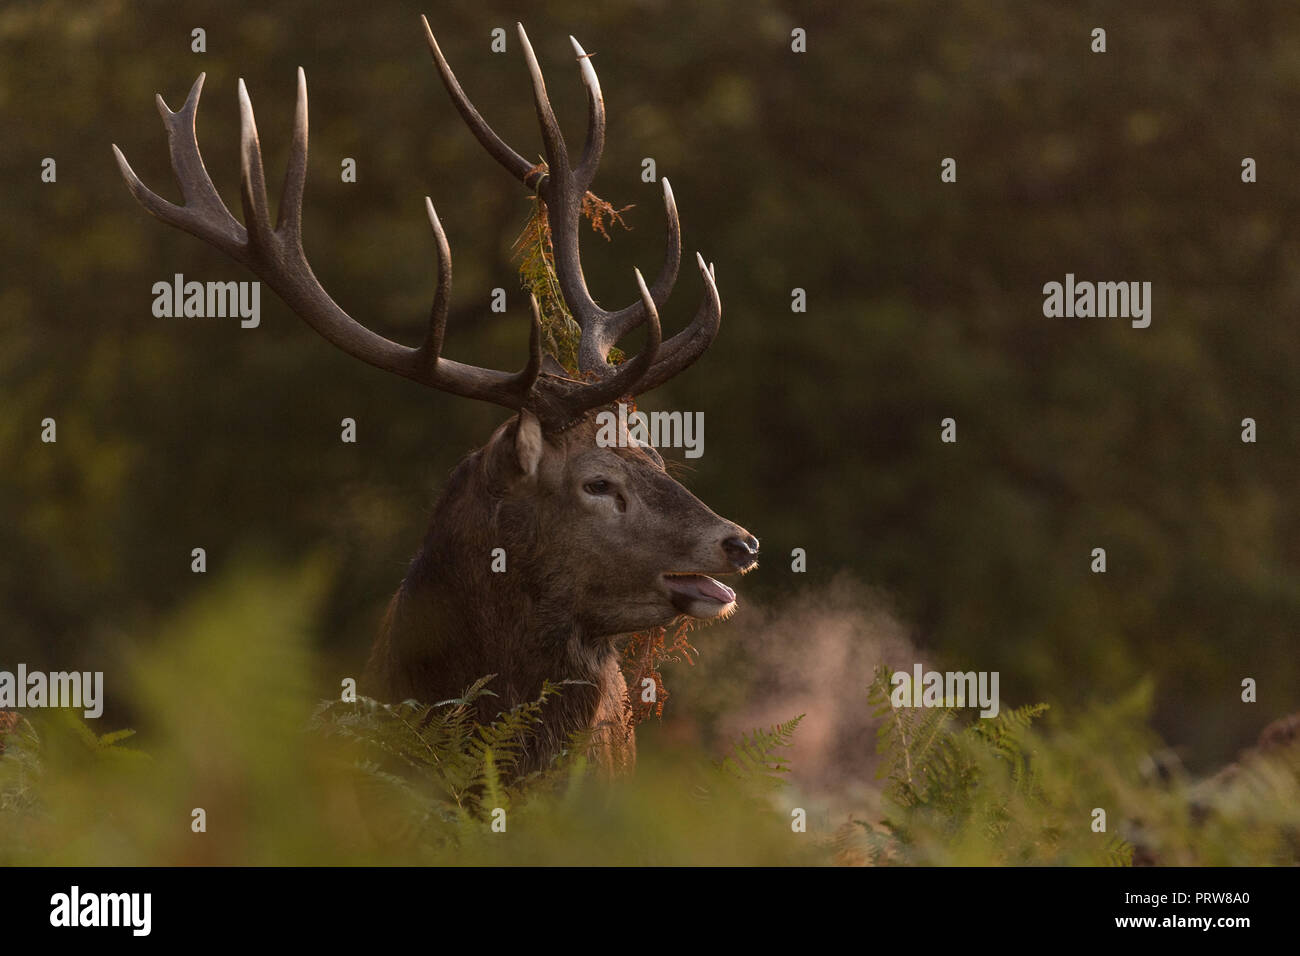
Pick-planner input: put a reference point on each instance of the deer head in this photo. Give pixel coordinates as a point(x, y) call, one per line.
point(606, 534)
point(602, 540)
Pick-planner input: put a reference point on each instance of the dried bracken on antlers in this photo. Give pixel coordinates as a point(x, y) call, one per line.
point(275, 254)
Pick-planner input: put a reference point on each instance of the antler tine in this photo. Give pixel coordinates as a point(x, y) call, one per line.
point(595, 349)
point(595, 145)
point(497, 148)
point(252, 179)
point(623, 380)
point(203, 214)
point(432, 347)
point(526, 378)
point(289, 222)
point(689, 344)
point(557, 155)
point(454, 377)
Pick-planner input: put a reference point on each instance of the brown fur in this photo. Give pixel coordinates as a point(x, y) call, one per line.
point(581, 573)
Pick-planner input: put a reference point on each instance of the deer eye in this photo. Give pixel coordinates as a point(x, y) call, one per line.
point(598, 487)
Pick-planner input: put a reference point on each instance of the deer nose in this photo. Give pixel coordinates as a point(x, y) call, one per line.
point(741, 551)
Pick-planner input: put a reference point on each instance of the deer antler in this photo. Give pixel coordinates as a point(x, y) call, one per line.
point(276, 256)
point(562, 187)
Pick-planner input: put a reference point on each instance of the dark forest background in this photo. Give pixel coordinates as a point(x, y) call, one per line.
point(818, 171)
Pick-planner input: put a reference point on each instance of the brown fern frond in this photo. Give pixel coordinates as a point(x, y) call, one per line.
point(598, 211)
point(8, 721)
point(535, 253)
point(643, 657)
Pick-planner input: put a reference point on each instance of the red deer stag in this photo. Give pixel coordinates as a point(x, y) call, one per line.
point(600, 542)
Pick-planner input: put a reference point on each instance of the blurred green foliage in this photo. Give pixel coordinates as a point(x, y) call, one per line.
point(228, 726)
point(818, 171)
point(1011, 790)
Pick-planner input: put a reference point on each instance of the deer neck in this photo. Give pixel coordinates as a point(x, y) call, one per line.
point(465, 611)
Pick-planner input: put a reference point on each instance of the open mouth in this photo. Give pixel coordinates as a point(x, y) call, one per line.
point(698, 594)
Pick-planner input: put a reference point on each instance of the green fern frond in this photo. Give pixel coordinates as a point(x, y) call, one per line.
point(756, 757)
point(430, 765)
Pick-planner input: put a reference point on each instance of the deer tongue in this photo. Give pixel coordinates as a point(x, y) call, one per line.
point(699, 587)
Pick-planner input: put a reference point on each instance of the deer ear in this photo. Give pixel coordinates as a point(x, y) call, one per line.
point(528, 443)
